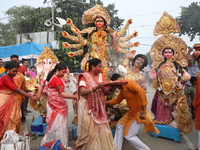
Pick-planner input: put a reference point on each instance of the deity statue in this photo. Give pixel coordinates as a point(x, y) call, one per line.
point(169, 59)
point(99, 41)
point(44, 64)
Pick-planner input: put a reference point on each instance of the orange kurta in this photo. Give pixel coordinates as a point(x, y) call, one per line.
point(196, 102)
point(136, 98)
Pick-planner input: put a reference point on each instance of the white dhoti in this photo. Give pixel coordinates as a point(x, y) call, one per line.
point(131, 137)
point(198, 139)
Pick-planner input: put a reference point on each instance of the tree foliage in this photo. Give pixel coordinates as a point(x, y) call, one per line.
point(27, 19)
point(189, 20)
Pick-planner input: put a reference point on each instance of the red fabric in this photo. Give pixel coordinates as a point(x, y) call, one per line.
point(7, 85)
point(5, 112)
point(57, 83)
point(196, 102)
point(55, 101)
point(22, 69)
point(96, 102)
point(7, 82)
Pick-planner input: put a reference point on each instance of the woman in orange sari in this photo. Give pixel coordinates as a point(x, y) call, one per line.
point(10, 112)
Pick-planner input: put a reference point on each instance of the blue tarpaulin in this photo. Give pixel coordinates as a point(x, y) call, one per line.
point(26, 50)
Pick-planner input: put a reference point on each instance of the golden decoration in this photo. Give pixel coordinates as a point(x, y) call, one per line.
point(184, 120)
point(167, 24)
point(166, 86)
point(92, 13)
point(47, 54)
point(31, 84)
point(166, 69)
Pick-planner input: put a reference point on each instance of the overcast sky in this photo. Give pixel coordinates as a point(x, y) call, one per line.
point(145, 14)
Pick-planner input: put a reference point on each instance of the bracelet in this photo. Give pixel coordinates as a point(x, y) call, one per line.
point(91, 88)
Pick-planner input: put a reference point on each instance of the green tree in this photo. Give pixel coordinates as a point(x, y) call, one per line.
point(74, 11)
point(26, 19)
point(6, 37)
point(189, 21)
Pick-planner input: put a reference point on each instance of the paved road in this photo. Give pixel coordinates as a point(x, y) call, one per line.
point(187, 140)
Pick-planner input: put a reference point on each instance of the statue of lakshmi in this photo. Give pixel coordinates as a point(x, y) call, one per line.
point(169, 59)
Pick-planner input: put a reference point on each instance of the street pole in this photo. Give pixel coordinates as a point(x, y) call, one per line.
point(53, 17)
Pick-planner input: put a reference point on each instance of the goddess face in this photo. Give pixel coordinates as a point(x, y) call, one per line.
point(168, 53)
point(99, 22)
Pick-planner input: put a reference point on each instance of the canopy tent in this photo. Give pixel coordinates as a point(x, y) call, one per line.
point(26, 50)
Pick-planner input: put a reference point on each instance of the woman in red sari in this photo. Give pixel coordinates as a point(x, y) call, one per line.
point(57, 106)
point(10, 111)
point(93, 129)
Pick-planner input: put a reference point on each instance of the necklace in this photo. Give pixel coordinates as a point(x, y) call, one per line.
point(99, 40)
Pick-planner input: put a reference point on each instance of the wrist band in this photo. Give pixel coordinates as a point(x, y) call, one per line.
point(91, 89)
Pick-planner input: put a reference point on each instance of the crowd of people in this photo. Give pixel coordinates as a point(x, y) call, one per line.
point(174, 70)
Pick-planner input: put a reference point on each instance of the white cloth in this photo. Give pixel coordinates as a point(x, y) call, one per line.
point(131, 137)
point(59, 129)
point(198, 139)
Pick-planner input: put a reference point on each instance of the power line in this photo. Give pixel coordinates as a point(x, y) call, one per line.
point(149, 13)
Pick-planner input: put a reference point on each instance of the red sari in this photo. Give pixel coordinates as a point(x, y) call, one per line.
point(196, 103)
point(57, 113)
point(10, 112)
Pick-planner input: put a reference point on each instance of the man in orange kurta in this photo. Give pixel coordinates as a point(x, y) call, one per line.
point(196, 104)
point(129, 125)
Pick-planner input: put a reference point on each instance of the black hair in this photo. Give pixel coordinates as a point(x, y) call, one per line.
point(143, 57)
point(59, 66)
point(198, 57)
point(11, 64)
point(193, 79)
point(23, 60)
point(14, 56)
point(115, 76)
point(93, 62)
point(32, 67)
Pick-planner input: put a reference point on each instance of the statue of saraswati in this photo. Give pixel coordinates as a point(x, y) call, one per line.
point(168, 53)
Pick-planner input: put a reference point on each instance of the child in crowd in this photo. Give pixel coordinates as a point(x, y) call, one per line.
point(33, 73)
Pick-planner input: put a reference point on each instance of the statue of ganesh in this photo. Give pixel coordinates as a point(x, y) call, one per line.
point(44, 64)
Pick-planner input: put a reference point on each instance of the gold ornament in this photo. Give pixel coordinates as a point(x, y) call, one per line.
point(167, 25)
point(47, 54)
point(92, 13)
